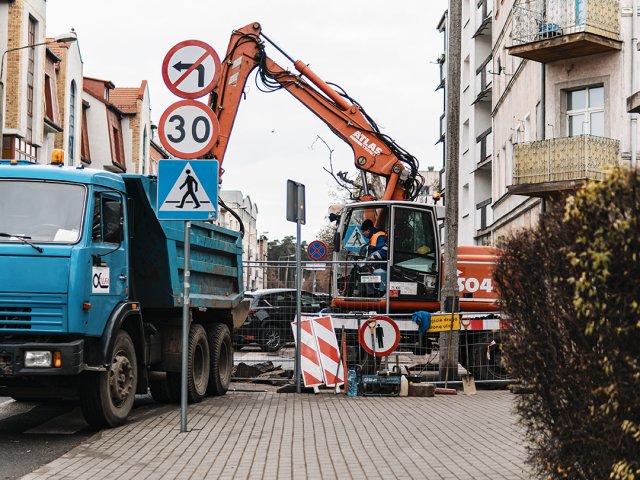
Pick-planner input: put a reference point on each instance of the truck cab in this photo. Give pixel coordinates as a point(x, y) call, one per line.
point(63, 251)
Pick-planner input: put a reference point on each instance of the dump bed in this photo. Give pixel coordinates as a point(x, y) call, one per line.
point(157, 256)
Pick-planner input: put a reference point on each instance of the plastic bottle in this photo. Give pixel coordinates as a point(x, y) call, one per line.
point(404, 386)
point(352, 380)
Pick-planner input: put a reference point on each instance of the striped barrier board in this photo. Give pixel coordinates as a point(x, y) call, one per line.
point(310, 367)
point(328, 350)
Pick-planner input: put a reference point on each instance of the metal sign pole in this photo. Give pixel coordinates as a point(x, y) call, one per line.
point(298, 305)
point(185, 326)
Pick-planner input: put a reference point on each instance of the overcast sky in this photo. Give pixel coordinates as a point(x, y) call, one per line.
point(382, 53)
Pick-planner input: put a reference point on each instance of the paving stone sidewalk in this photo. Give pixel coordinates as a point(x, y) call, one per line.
point(263, 434)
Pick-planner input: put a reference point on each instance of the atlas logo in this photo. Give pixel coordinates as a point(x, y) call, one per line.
point(362, 140)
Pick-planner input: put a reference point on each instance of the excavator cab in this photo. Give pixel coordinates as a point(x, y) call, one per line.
point(411, 274)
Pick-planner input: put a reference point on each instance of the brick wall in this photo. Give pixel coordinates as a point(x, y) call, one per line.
point(13, 99)
point(135, 137)
point(61, 81)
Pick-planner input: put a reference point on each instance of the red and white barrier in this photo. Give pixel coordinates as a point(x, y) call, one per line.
point(328, 350)
point(309, 357)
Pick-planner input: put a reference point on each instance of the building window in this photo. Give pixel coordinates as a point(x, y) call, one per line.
point(31, 35)
point(85, 152)
point(144, 150)
point(585, 111)
point(72, 122)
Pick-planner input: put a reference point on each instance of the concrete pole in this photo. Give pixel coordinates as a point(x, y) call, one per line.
point(449, 341)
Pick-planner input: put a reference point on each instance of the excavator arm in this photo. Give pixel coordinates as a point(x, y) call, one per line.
point(373, 151)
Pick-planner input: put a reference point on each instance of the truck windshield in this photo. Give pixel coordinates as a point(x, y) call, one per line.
point(46, 212)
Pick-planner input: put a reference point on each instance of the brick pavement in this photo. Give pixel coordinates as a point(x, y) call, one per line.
point(258, 434)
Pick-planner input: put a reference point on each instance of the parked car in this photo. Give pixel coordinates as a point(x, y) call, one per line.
point(271, 312)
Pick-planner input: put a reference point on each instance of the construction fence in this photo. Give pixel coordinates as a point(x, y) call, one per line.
point(265, 344)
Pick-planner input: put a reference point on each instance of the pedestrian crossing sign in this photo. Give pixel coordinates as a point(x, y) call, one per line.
point(354, 240)
point(187, 190)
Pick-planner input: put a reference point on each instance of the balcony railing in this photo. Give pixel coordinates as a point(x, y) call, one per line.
point(485, 147)
point(484, 80)
point(564, 159)
point(588, 26)
point(535, 20)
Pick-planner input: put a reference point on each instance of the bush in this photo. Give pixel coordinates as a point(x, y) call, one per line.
point(571, 288)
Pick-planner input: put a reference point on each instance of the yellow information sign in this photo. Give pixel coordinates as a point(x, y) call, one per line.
point(442, 322)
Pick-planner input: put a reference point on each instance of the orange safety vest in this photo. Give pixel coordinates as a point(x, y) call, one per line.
point(374, 238)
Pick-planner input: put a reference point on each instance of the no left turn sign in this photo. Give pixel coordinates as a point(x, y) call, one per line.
point(188, 129)
point(191, 69)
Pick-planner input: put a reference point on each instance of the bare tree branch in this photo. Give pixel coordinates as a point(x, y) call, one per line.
point(341, 178)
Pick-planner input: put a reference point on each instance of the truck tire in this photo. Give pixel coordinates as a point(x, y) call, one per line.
point(198, 361)
point(162, 390)
point(221, 365)
point(106, 398)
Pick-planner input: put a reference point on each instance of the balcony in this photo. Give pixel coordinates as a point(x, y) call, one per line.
point(443, 128)
point(484, 12)
point(633, 103)
point(485, 149)
point(545, 167)
point(550, 30)
point(484, 80)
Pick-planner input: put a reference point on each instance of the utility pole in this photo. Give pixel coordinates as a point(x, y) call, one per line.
point(450, 295)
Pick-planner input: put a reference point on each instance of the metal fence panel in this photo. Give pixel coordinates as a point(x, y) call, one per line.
point(265, 349)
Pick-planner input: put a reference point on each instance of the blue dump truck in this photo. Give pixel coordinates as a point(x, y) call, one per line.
point(91, 289)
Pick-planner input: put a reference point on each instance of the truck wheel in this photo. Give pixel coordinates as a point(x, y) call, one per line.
point(162, 390)
point(198, 360)
point(272, 338)
point(221, 349)
point(106, 398)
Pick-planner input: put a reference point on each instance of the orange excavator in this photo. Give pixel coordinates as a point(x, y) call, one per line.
point(412, 278)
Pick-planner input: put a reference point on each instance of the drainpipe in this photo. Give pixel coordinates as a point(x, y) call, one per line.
point(634, 116)
point(542, 124)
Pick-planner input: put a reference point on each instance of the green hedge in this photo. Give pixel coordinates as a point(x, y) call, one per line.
point(571, 287)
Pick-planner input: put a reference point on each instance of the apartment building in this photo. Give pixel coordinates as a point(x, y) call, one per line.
point(564, 79)
point(118, 131)
point(24, 61)
point(476, 132)
point(46, 103)
point(254, 244)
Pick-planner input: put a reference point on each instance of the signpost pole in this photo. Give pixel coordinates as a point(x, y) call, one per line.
point(298, 305)
point(185, 326)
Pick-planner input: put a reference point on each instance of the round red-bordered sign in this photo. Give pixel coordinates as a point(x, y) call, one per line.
point(317, 250)
point(385, 340)
point(188, 129)
point(191, 69)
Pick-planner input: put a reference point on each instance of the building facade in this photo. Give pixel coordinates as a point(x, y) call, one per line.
point(118, 131)
point(22, 23)
point(476, 131)
point(561, 76)
point(254, 244)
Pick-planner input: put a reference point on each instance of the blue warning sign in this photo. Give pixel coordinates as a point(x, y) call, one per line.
point(188, 190)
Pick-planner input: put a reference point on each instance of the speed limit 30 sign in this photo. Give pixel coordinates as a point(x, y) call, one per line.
point(188, 129)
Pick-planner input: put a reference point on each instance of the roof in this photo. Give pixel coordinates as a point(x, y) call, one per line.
point(126, 99)
point(34, 171)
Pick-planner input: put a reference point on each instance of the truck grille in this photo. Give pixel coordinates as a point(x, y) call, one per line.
point(15, 317)
point(42, 313)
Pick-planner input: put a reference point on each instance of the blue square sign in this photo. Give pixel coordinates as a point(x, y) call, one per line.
point(188, 190)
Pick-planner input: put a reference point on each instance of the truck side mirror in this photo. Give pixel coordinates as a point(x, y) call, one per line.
point(336, 242)
point(113, 222)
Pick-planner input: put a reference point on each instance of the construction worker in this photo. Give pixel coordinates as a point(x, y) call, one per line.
point(377, 251)
point(377, 248)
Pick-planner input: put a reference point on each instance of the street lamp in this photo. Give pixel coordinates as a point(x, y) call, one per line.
point(63, 38)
